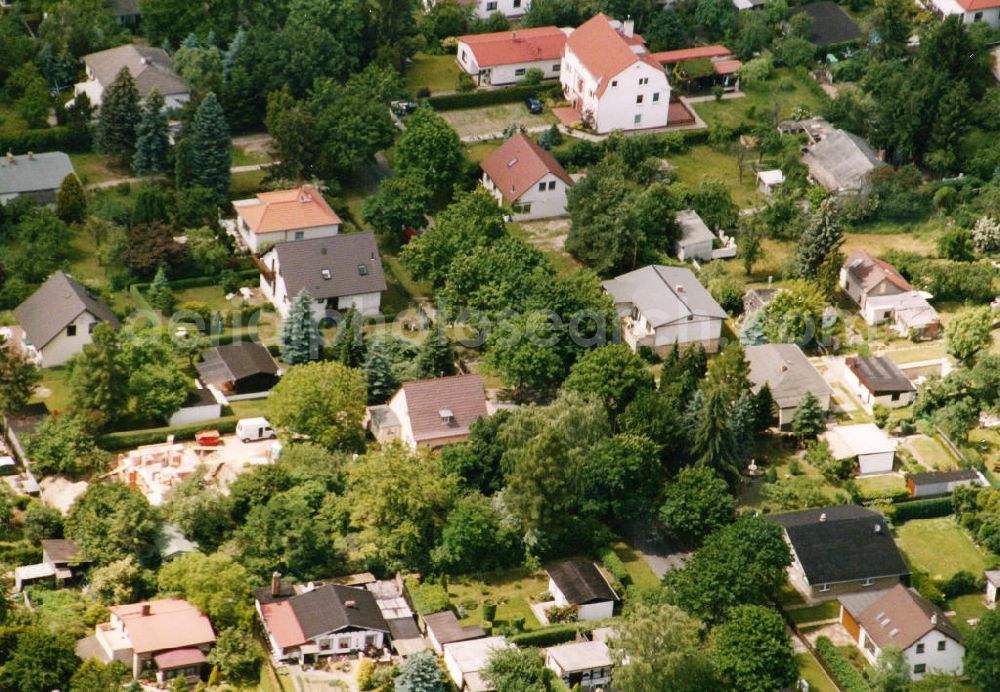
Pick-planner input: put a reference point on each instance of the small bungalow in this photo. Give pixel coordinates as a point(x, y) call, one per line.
point(61, 562)
point(770, 181)
point(150, 67)
point(527, 178)
point(242, 367)
point(831, 25)
point(900, 617)
point(430, 413)
point(884, 295)
point(301, 213)
point(504, 57)
point(992, 584)
point(696, 239)
point(582, 665)
point(444, 628)
point(837, 160)
point(578, 582)
point(866, 442)
point(878, 381)
point(971, 11)
point(466, 660)
point(34, 176)
point(789, 375)
point(841, 549)
point(171, 543)
point(702, 67)
point(936, 483)
point(126, 12)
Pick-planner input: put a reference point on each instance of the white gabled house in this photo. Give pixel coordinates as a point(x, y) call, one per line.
point(528, 178)
point(482, 9)
point(274, 217)
point(579, 583)
point(611, 79)
point(971, 11)
point(504, 57)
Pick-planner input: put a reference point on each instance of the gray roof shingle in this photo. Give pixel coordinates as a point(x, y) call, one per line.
point(55, 304)
point(664, 294)
point(235, 361)
point(786, 371)
point(333, 607)
point(37, 173)
point(151, 68)
point(302, 263)
point(879, 374)
point(841, 161)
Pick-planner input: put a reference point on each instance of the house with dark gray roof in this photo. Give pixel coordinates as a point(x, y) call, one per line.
point(878, 381)
point(242, 367)
point(307, 622)
point(660, 306)
point(789, 375)
point(125, 12)
point(35, 176)
point(937, 483)
point(338, 272)
point(831, 25)
point(151, 68)
point(839, 550)
point(58, 319)
point(579, 582)
point(444, 628)
point(838, 160)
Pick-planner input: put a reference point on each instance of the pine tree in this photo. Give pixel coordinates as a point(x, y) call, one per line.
point(300, 335)
point(821, 238)
point(349, 348)
point(161, 296)
point(420, 673)
point(71, 200)
point(382, 382)
point(98, 380)
point(437, 355)
point(152, 138)
point(229, 57)
point(119, 117)
point(210, 147)
point(712, 438)
point(763, 404)
point(809, 419)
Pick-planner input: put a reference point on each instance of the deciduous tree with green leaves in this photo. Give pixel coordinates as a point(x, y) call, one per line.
point(614, 374)
point(216, 584)
point(969, 333)
point(237, 656)
point(751, 651)
point(41, 661)
point(325, 401)
point(401, 202)
point(431, 150)
point(110, 521)
point(697, 503)
point(18, 378)
point(519, 670)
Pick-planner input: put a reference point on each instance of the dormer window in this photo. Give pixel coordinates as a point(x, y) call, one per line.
point(362, 270)
point(326, 274)
point(447, 417)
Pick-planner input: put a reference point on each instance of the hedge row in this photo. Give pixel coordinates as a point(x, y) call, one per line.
point(614, 565)
point(199, 281)
point(135, 438)
point(847, 676)
point(50, 139)
point(429, 597)
point(923, 509)
point(491, 97)
point(546, 636)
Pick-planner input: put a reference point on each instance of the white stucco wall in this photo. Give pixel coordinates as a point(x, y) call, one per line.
point(399, 406)
point(542, 204)
point(947, 661)
point(366, 303)
point(701, 251)
point(95, 92)
point(586, 612)
point(255, 241)
point(875, 463)
point(508, 8)
point(869, 401)
point(63, 347)
point(990, 16)
point(196, 414)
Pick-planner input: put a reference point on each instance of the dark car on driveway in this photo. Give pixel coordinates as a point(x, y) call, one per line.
point(534, 105)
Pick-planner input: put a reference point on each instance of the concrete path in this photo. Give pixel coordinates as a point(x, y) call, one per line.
point(471, 139)
point(139, 179)
point(711, 97)
point(659, 550)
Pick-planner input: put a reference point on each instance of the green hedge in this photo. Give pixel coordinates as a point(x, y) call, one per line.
point(614, 565)
point(198, 281)
point(547, 636)
point(429, 597)
point(847, 676)
point(50, 139)
point(135, 438)
point(491, 97)
point(923, 509)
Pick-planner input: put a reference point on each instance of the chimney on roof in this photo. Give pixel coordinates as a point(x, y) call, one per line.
point(628, 28)
point(934, 618)
point(770, 280)
point(275, 584)
point(679, 288)
point(878, 528)
point(350, 604)
point(822, 517)
point(144, 610)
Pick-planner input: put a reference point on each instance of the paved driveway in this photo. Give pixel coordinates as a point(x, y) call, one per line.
point(660, 550)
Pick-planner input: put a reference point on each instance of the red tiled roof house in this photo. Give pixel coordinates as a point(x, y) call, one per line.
point(430, 413)
point(529, 179)
point(168, 636)
point(611, 79)
point(971, 11)
point(274, 217)
point(505, 56)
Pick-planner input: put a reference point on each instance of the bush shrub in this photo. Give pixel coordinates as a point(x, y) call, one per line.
point(923, 509)
point(491, 97)
point(614, 565)
point(428, 597)
point(546, 636)
point(962, 583)
point(847, 676)
point(135, 438)
point(73, 139)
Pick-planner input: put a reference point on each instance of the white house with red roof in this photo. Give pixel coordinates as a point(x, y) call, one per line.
point(971, 11)
point(611, 79)
point(506, 56)
point(274, 217)
point(169, 636)
point(529, 179)
point(482, 9)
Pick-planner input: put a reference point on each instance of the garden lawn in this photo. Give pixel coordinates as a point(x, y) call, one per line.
point(416, 289)
point(494, 120)
point(511, 590)
point(53, 390)
point(638, 569)
point(762, 98)
point(968, 607)
point(480, 150)
point(212, 296)
point(10, 121)
point(242, 157)
point(703, 160)
point(929, 351)
point(931, 453)
point(939, 547)
point(93, 168)
point(828, 610)
point(549, 236)
point(83, 262)
point(881, 486)
point(435, 72)
point(811, 672)
point(248, 408)
point(245, 185)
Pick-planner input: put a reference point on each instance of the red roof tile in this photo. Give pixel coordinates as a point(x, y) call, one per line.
point(512, 47)
point(287, 210)
point(518, 164)
point(171, 623)
point(727, 66)
point(462, 395)
point(283, 624)
point(671, 56)
point(605, 51)
point(179, 657)
point(976, 5)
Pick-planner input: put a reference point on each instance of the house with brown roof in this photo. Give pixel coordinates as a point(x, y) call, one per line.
point(151, 68)
point(504, 57)
point(338, 272)
point(58, 320)
point(878, 381)
point(527, 178)
point(902, 618)
point(430, 413)
point(168, 636)
point(62, 561)
point(971, 11)
point(308, 622)
point(885, 296)
point(275, 217)
point(579, 583)
point(611, 79)
point(864, 276)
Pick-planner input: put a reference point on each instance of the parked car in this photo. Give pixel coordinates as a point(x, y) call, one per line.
point(252, 429)
point(533, 105)
point(403, 107)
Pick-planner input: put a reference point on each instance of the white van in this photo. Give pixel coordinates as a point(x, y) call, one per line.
point(250, 429)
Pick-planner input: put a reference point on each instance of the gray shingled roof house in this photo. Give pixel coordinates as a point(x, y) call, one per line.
point(239, 368)
point(696, 239)
point(151, 68)
point(338, 272)
point(789, 375)
point(841, 161)
point(59, 317)
point(36, 176)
